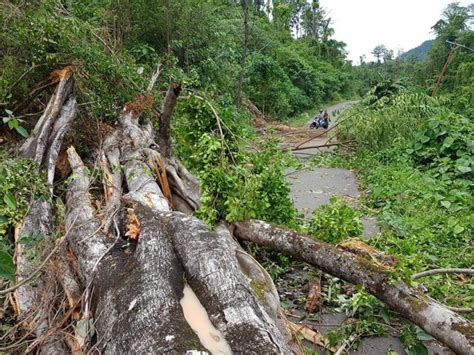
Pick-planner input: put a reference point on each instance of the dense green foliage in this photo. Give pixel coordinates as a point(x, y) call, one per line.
point(116, 45)
point(335, 222)
point(19, 184)
point(377, 122)
point(419, 183)
point(241, 177)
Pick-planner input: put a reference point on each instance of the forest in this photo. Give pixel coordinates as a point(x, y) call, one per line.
point(146, 206)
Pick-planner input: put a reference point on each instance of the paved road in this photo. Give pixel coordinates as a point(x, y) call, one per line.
point(313, 188)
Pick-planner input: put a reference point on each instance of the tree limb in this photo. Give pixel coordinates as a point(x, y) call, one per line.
point(164, 118)
point(443, 324)
point(442, 271)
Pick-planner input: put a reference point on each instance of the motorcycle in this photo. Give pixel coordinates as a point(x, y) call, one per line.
point(319, 123)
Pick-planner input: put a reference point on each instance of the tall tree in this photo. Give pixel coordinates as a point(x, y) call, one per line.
point(245, 10)
point(379, 52)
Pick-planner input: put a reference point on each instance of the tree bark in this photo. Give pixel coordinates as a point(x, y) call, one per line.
point(443, 324)
point(213, 272)
point(164, 131)
point(135, 295)
point(43, 147)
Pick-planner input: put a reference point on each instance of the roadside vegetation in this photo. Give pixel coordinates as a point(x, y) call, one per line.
point(413, 157)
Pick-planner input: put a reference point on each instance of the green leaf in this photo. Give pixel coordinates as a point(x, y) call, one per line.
point(13, 124)
point(425, 139)
point(417, 349)
point(3, 219)
point(9, 199)
point(463, 168)
point(423, 336)
point(446, 204)
point(458, 229)
point(23, 131)
point(9, 112)
point(7, 266)
point(448, 142)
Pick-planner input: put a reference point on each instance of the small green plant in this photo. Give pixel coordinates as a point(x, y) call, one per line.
point(335, 222)
point(19, 183)
point(412, 337)
point(14, 124)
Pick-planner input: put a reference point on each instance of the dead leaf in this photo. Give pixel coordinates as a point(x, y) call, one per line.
point(310, 335)
point(133, 225)
point(313, 301)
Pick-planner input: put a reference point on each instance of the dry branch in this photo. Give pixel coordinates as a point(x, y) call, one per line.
point(164, 119)
point(445, 325)
point(43, 147)
point(319, 146)
point(442, 271)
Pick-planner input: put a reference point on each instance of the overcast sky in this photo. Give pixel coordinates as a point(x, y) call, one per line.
point(400, 24)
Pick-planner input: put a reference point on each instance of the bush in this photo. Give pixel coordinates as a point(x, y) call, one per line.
point(335, 222)
point(19, 184)
point(391, 119)
point(236, 183)
point(446, 144)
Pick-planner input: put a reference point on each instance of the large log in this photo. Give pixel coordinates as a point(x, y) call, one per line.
point(443, 324)
point(213, 272)
point(135, 295)
point(43, 147)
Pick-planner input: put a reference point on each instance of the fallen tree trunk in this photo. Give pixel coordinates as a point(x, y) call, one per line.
point(136, 290)
point(445, 325)
point(135, 296)
point(213, 272)
point(43, 147)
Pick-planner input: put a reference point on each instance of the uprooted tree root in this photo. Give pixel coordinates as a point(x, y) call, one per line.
point(116, 278)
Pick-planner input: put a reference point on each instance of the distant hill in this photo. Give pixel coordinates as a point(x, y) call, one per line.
point(418, 53)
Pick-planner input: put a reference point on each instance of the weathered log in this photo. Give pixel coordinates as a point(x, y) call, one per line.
point(213, 272)
point(43, 147)
point(110, 164)
point(35, 146)
point(135, 295)
point(254, 110)
point(443, 324)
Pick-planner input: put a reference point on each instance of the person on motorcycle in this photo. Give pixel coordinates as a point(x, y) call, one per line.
point(326, 119)
point(317, 120)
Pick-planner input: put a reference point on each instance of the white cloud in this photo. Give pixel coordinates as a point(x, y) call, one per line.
point(401, 24)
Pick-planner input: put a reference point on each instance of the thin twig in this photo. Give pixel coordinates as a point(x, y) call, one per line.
point(154, 78)
point(218, 120)
point(443, 271)
point(320, 146)
point(346, 344)
point(461, 309)
point(54, 329)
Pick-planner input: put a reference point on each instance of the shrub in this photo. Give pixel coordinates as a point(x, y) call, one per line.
point(335, 222)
